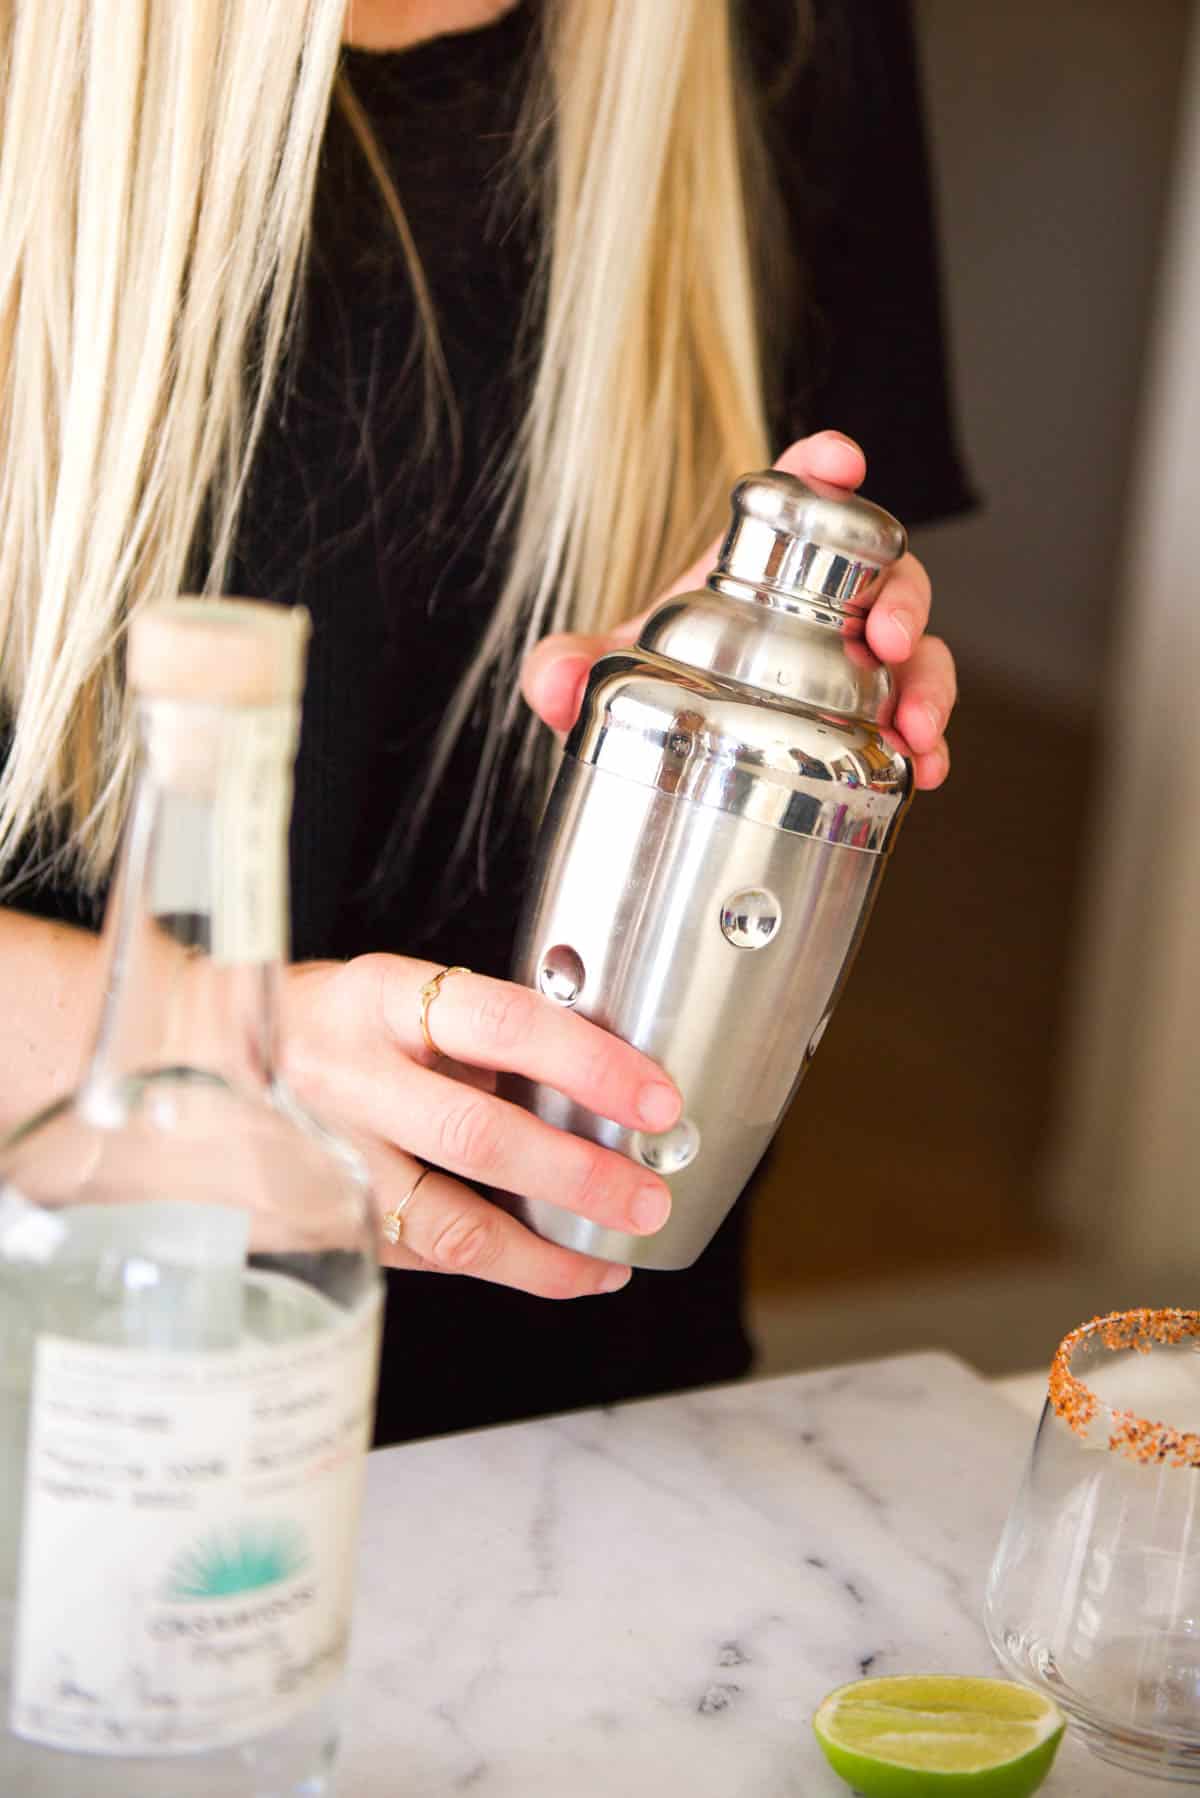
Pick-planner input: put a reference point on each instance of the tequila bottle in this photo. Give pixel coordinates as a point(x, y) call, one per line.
point(189, 1298)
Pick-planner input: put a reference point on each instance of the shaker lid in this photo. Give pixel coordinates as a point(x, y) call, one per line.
point(223, 651)
point(809, 539)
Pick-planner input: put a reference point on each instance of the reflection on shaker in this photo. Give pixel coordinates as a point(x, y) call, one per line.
point(561, 974)
point(750, 919)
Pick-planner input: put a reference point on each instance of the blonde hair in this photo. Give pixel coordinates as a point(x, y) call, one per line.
point(156, 190)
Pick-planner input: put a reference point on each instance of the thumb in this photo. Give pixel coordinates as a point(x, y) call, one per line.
point(555, 671)
point(554, 675)
point(828, 456)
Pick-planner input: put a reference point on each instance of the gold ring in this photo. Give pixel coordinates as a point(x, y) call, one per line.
point(429, 993)
point(393, 1220)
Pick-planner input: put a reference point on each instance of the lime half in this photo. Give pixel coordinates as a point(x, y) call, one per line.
point(938, 1737)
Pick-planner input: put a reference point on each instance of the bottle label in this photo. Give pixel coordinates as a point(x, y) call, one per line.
point(187, 1557)
point(250, 824)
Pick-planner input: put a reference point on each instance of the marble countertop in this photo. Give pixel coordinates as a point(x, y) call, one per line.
point(654, 1599)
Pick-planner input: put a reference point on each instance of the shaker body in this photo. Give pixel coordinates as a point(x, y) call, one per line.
point(714, 943)
point(713, 844)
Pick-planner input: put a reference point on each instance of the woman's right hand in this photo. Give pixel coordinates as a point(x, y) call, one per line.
point(356, 1054)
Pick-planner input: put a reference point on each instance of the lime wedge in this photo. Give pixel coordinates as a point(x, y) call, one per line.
point(939, 1736)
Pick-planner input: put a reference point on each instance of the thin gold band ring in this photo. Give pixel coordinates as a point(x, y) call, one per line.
point(428, 994)
point(393, 1220)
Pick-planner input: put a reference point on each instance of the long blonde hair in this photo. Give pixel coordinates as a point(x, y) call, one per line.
point(156, 188)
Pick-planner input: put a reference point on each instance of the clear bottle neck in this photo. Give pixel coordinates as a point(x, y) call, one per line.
point(196, 928)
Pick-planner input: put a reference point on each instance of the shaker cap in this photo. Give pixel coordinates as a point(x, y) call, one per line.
point(223, 651)
point(809, 539)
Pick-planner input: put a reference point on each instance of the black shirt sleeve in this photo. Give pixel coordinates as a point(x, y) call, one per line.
point(868, 351)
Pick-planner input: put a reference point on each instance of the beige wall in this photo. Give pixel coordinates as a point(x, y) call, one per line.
point(1126, 1176)
point(1052, 127)
point(1067, 149)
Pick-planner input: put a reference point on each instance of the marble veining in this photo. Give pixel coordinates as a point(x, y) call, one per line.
point(652, 1599)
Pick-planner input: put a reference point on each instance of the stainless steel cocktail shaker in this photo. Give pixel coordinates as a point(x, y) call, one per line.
point(713, 843)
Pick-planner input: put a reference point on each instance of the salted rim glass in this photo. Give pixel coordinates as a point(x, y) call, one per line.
point(1094, 1594)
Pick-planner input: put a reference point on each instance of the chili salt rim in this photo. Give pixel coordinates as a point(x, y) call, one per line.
point(1135, 1437)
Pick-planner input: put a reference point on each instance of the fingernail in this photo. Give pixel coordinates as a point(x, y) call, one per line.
point(904, 624)
point(658, 1106)
point(934, 717)
point(614, 1279)
point(650, 1208)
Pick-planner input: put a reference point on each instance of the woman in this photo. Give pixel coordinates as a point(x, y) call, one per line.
point(459, 336)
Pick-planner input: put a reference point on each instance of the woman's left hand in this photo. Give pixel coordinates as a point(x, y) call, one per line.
point(555, 673)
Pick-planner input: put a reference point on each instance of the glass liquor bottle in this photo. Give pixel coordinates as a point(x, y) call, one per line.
point(189, 1297)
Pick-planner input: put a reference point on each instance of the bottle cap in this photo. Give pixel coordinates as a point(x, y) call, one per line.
point(221, 651)
point(809, 539)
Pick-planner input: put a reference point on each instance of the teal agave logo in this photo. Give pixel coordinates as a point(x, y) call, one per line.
point(243, 1558)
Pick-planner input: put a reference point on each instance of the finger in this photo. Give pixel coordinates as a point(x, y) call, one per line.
point(554, 675)
point(498, 1024)
point(897, 620)
point(447, 1228)
point(926, 689)
point(931, 769)
point(491, 1142)
point(483, 1079)
point(826, 456)
point(342, 1014)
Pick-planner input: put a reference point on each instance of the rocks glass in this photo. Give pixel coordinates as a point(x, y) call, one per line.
point(1094, 1596)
